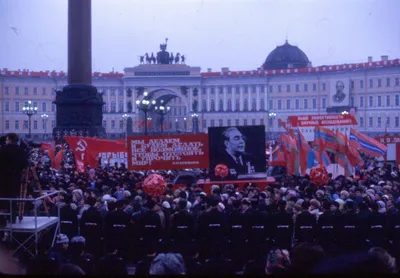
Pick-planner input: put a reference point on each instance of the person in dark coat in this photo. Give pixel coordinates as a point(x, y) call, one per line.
point(112, 263)
point(235, 157)
point(13, 160)
point(327, 227)
point(211, 228)
point(282, 226)
point(69, 218)
point(117, 227)
point(150, 223)
point(143, 266)
point(79, 257)
point(305, 224)
point(182, 223)
point(350, 230)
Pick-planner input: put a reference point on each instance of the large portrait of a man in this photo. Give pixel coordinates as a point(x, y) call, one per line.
point(241, 149)
point(340, 95)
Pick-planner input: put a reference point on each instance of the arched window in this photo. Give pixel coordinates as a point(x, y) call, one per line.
point(221, 105)
point(204, 105)
point(262, 105)
point(229, 105)
point(246, 105)
point(237, 105)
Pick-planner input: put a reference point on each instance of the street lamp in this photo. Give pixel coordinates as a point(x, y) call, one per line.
point(184, 124)
point(176, 124)
point(29, 110)
point(162, 110)
point(145, 106)
point(44, 119)
point(149, 120)
point(345, 113)
point(272, 116)
point(195, 123)
point(125, 118)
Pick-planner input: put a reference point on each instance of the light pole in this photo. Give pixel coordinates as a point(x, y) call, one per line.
point(272, 116)
point(125, 118)
point(145, 106)
point(176, 125)
point(149, 120)
point(44, 119)
point(195, 123)
point(30, 110)
point(162, 110)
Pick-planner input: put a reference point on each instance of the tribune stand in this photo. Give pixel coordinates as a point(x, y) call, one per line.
point(34, 226)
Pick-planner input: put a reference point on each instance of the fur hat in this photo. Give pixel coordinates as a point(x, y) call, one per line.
point(62, 239)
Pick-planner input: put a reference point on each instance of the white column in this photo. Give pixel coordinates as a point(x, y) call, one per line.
point(116, 100)
point(258, 97)
point(265, 97)
point(249, 96)
point(107, 90)
point(190, 100)
point(124, 92)
point(225, 89)
point(241, 97)
point(208, 99)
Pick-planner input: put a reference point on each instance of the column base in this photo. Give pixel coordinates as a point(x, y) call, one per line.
point(79, 112)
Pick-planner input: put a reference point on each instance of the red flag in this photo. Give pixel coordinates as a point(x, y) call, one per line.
point(284, 125)
point(148, 124)
point(58, 159)
point(141, 124)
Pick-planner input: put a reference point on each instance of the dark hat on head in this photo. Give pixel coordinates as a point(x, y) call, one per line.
point(213, 202)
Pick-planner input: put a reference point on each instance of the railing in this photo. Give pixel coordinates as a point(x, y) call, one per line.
point(34, 200)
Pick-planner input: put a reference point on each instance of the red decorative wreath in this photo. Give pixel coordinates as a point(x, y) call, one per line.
point(319, 175)
point(154, 185)
point(221, 170)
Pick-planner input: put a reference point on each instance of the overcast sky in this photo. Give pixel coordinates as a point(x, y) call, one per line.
point(237, 34)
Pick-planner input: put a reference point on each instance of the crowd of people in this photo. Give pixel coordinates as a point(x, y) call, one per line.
point(349, 225)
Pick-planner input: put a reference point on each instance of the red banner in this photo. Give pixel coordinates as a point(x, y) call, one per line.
point(398, 154)
point(167, 152)
point(87, 151)
point(322, 120)
point(388, 139)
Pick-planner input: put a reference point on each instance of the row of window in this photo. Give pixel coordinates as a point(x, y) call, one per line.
point(25, 124)
point(35, 91)
point(297, 87)
point(230, 89)
point(113, 124)
point(378, 122)
point(379, 101)
point(236, 122)
point(18, 106)
point(280, 104)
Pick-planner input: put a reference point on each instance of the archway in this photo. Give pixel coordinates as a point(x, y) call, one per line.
point(171, 122)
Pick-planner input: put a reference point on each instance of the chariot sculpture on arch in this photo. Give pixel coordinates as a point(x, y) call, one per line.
point(163, 57)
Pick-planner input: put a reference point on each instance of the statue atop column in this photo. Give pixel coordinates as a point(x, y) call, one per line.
point(163, 55)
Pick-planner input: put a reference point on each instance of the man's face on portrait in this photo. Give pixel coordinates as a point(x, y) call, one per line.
point(339, 86)
point(235, 144)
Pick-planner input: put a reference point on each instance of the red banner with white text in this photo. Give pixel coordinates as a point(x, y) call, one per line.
point(167, 152)
point(88, 151)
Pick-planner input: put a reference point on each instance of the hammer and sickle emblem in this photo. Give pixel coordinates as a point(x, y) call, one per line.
point(81, 145)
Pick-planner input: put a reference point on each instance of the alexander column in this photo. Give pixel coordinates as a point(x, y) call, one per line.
point(79, 105)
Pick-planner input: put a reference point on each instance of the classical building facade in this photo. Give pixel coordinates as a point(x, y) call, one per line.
point(287, 84)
